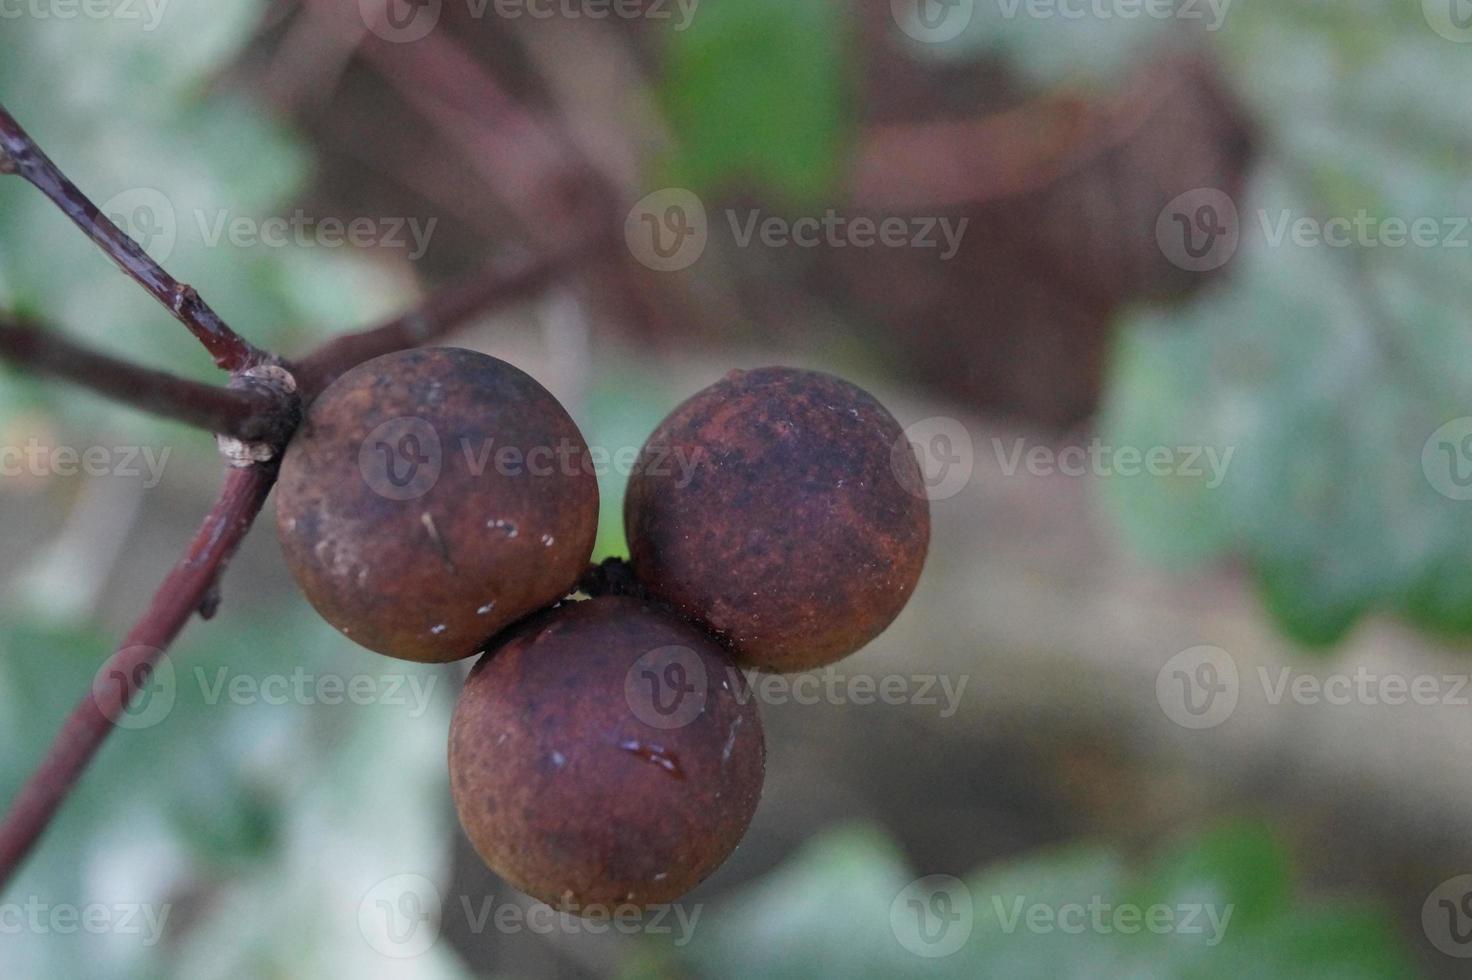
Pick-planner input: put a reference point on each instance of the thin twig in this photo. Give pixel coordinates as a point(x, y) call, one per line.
point(19, 154)
point(1008, 154)
point(190, 587)
point(525, 157)
point(251, 415)
point(442, 313)
point(182, 593)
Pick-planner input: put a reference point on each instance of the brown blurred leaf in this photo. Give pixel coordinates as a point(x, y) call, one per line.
point(1062, 199)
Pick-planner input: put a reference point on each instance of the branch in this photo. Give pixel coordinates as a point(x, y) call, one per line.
point(441, 313)
point(1008, 154)
point(252, 415)
point(19, 154)
point(190, 587)
point(529, 164)
point(186, 590)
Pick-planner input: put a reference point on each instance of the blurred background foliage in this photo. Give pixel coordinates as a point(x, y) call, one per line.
point(853, 874)
point(262, 827)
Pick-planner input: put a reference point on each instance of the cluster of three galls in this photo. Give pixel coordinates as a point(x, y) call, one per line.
point(605, 752)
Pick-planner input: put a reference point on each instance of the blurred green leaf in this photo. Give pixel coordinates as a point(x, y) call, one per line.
point(623, 406)
point(252, 775)
point(1240, 864)
point(1326, 369)
point(755, 92)
point(815, 916)
point(1215, 907)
